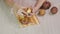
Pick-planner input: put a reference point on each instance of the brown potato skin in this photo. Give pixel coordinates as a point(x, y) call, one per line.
point(54, 10)
point(46, 5)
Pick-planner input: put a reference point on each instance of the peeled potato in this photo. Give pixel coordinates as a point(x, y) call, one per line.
point(41, 12)
point(29, 10)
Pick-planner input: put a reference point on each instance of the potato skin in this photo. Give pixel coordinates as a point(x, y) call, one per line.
point(46, 5)
point(54, 10)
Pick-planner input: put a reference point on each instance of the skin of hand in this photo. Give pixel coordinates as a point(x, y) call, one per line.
point(38, 5)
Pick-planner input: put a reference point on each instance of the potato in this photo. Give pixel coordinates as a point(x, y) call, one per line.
point(41, 12)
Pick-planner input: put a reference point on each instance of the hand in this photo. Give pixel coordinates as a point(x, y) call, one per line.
point(38, 5)
point(34, 10)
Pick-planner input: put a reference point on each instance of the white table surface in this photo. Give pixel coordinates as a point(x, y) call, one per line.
point(49, 24)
